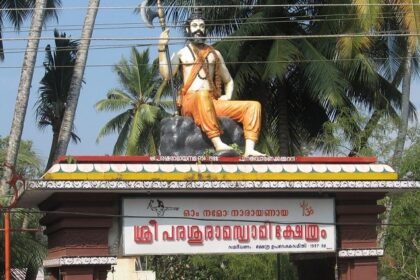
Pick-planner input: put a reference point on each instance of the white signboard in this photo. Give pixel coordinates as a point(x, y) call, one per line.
point(168, 226)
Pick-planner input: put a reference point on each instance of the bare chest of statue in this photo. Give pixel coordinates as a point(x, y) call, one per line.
point(201, 82)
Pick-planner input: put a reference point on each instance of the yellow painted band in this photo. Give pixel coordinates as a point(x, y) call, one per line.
point(220, 176)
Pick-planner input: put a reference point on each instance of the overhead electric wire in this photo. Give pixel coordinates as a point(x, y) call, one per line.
point(92, 214)
point(223, 6)
point(291, 18)
point(120, 27)
point(226, 62)
point(180, 42)
point(214, 39)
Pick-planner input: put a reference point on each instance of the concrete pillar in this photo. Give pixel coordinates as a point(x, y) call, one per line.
point(357, 215)
point(78, 234)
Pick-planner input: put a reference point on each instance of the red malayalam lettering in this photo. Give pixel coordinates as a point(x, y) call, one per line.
point(191, 213)
point(196, 235)
point(144, 234)
point(312, 232)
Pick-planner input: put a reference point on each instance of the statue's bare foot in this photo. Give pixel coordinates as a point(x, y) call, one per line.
point(223, 147)
point(219, 145)
point(253, 153)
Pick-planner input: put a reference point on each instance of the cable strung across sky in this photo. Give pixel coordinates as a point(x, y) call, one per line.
point(140, 25)
point(232, 38)
point(230, 6)
point(227, 62)
point(291, 18)
point(207, 219)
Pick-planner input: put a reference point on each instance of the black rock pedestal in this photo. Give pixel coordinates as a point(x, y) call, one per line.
point(179, 136)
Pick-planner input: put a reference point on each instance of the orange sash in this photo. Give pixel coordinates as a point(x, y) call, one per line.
point(198, 64)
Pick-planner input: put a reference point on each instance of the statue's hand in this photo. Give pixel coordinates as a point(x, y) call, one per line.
point(225, 97)
point(164, 39)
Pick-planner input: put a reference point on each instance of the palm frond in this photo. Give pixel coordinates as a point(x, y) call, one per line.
point(1, 44)
point(149, 113)
point(15, 11)
point(120, 146)
point(326, 82)
point(281, 55)
point(368, 13)
point(75, 138)
point(55, 84)
point(133, 140)
point(116, 100)
point(116, 124)
point(409, 16)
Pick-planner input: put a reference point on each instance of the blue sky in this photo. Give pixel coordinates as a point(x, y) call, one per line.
point(98, 79)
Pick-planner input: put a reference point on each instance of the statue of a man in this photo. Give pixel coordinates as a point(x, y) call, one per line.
point(204, 71)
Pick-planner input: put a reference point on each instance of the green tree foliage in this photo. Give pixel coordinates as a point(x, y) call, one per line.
point(246, 267)
point(229, 267)
point(402, 244)
point(55, 85)
point(407, 15)
point(402, 250)
point(28, 162)
point(308, 80)
point(28, 249)
point(345, 137)
point(140, 97)
point(402, 247)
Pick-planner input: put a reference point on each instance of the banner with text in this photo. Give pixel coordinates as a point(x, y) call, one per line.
point(167, 226)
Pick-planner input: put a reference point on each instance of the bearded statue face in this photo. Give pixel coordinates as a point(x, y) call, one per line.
point(197, 31)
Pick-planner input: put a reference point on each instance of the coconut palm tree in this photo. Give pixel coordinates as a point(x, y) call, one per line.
point(408, 19)
point(76, 81)
point(23, 92)
point(59, 67)
point(24, 85)
point(140, 98)
point(15, 10)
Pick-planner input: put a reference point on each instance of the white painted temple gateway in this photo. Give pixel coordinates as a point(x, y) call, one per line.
point(323, 210)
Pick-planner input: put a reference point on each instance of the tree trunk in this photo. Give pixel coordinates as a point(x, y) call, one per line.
point(31, 272)
point(366, 133)
point(53, 149)
point(405, 106)
point(76, 81)
point(284, 138)
point(22, 99)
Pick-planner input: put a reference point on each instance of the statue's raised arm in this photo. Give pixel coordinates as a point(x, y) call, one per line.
point(163, 58)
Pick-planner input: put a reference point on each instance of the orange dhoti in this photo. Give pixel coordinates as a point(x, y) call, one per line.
point(204, 109)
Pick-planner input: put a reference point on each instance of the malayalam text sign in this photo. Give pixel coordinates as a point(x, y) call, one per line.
point(167, 226)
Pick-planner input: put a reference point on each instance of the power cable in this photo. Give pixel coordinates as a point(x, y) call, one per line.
point(291, 18)
point(230, 63)
point(91, 214)
point(314, 5)
point(117, 27)
point(226, 62)
point(232, 38)
point(178, 43)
